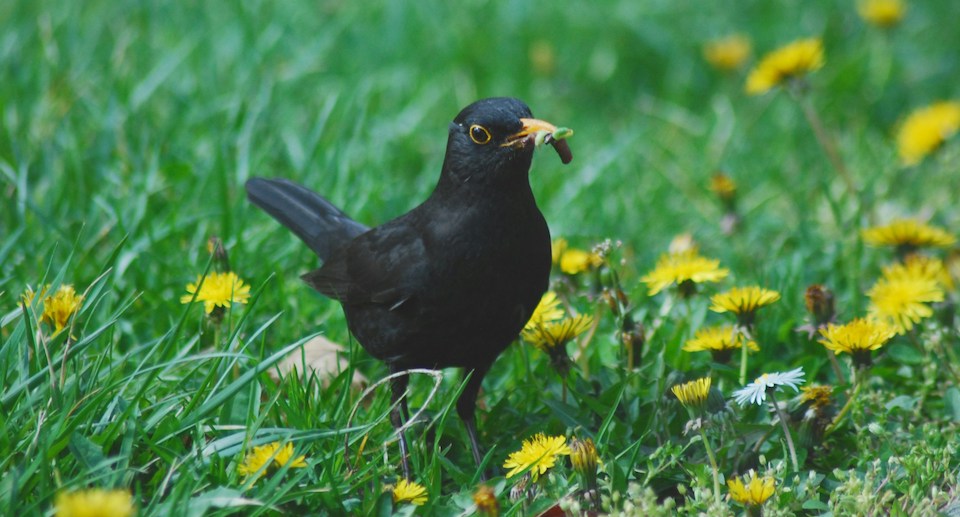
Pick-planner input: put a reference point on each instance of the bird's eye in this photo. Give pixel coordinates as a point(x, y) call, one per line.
point(479, 134)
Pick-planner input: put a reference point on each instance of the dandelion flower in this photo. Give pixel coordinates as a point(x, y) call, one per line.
point(857, 338)
point(539, 454)
point(929, 267)
point(926, 129)
point(584, 458)
point(743, 301)
point(720, 341)
point(58, 307)
point(693, 394)
point(95, 502)
point(882, 13)
point(546, 311)
point(756, 391)
point(723, 186)
point(218, 290)
point(791, 61)
point(257, 461)
point(554, 334)
point(685, 270)
point(728, 53)
point(754, 492)
point(901, 297)
point(409, 492)
point(573, 261)
point(908, 235)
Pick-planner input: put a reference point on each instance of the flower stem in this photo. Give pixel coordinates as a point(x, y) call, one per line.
point(846, 407)
point(786, 432)
point(713, 465)
point(828, 146)
point(743, 351)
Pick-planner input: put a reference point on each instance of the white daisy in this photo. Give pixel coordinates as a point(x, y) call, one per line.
point(756, 391)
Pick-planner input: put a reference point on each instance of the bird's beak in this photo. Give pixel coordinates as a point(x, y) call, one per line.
point(536, 131)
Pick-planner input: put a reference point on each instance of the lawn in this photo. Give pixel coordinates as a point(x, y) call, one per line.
point(127, 131)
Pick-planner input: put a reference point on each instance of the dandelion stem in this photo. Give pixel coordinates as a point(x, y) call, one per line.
point(841, 379)
point(743, 351)
point(846, 407)
point(786, 431)
point(713, 464)
point(827, 144)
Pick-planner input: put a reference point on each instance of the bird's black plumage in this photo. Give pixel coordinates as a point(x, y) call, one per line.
point(452, 282)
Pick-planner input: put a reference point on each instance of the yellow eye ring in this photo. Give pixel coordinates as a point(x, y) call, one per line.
point(479, 134)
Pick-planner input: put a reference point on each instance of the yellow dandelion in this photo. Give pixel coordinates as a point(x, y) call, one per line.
point(573, 261)
point(261, 458)
point(583, 457)
point(693, 394)
point(788, 62)
point(882, 13)
point(95, 502)
point(716, 339)
point(723, 186)
point(908, 234)
point(409, 492)
point(727, 53)
point(933, 268)
point(218, 290)
point(926, 129)
point(754, 492)
point(58, 307)
point(857, 338)
point(555, 334)
point(538, 454)
point(900, 297)
point(816, 396)
point(546, 311)
point(684, 270)
point(743, 301)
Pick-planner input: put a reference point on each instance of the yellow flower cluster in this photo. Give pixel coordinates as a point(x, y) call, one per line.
point(538, 454)
point(788, 62)
point(909, 233)
point(693, 394)
point(684, 268)
point(257, 461)
point(728, 53)
point(573, 261)
point(926, 129)
point(95, 502)
point(409, 492)
point(861, 334)
point(902, 295)
point(217, 290)
point(882, 13)
point(58, 307)
point(719, 338)
point(751, 490)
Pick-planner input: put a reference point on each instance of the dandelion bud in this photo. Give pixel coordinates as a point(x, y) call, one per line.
point(583, 456)
point(819, 300)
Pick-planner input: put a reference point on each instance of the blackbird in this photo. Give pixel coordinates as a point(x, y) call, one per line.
point(452, 282)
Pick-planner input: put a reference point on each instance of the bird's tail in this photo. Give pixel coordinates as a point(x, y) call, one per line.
point(322, 226)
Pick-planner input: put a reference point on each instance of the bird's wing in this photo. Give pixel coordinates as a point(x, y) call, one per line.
point(318, 223)
point(385, 266)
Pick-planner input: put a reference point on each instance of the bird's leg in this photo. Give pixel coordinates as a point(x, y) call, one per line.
point(466, 408)
point(398, 414)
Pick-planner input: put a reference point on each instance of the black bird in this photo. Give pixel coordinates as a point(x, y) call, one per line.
point(452, 282)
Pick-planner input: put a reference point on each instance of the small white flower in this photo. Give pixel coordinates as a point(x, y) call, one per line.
point(756, 391)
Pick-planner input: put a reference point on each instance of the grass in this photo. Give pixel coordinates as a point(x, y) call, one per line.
point(128, 128)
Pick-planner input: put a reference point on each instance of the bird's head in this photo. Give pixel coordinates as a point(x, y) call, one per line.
point(492, 141)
